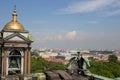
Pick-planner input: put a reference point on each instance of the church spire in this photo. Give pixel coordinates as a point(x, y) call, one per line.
point(14, 14)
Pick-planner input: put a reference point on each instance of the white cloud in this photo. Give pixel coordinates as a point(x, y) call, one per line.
point(78, 40)
point(71, 35)
point(115, 12)
point(88, 6)
point(68, 36)
point(60, 37)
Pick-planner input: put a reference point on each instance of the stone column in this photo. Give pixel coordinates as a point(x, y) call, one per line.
point(25, 61)
point(22, 64)
point(4, 62)
point(0, 61)
point(28, 58)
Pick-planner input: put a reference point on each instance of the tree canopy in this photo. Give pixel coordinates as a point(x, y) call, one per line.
point(107, 69)
point(113, 58)
point(38, 64)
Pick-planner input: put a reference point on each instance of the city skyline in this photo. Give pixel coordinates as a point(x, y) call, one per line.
point(87, 24)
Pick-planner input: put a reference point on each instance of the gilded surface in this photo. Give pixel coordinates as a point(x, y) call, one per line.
point(14, 24)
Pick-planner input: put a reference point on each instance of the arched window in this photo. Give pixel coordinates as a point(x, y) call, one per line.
point(15, 52)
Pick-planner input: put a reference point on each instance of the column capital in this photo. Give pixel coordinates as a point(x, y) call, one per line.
point(29, 48)
point(24, 49)
point(4, 48)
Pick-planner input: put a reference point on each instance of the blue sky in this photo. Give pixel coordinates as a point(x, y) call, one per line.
point(67, 24)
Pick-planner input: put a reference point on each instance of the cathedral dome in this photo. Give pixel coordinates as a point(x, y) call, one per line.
point(14, 24)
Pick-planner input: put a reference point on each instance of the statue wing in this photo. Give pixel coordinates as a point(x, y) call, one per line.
point(73, 58)
point(87, 61)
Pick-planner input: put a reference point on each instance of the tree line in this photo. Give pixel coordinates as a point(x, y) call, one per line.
point(39, 64)
point(109, 69)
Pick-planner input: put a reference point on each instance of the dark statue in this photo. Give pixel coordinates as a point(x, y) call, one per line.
point(78, 64)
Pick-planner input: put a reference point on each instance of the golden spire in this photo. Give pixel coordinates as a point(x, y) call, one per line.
point(14, 14)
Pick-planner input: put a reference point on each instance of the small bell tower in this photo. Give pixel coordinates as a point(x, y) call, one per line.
point(15, 47)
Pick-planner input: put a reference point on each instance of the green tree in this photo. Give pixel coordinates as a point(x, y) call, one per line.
point(107, 69)
point(38, 64)
point(113, 58)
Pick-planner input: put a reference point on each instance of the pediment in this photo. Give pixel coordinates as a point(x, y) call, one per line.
point(16, 37)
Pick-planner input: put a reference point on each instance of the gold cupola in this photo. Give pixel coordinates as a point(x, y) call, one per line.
point(14, 24)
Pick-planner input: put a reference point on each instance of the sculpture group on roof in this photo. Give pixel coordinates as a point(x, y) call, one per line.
point(78, 65)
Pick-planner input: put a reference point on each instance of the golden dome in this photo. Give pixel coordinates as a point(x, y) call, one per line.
point(14, 24)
